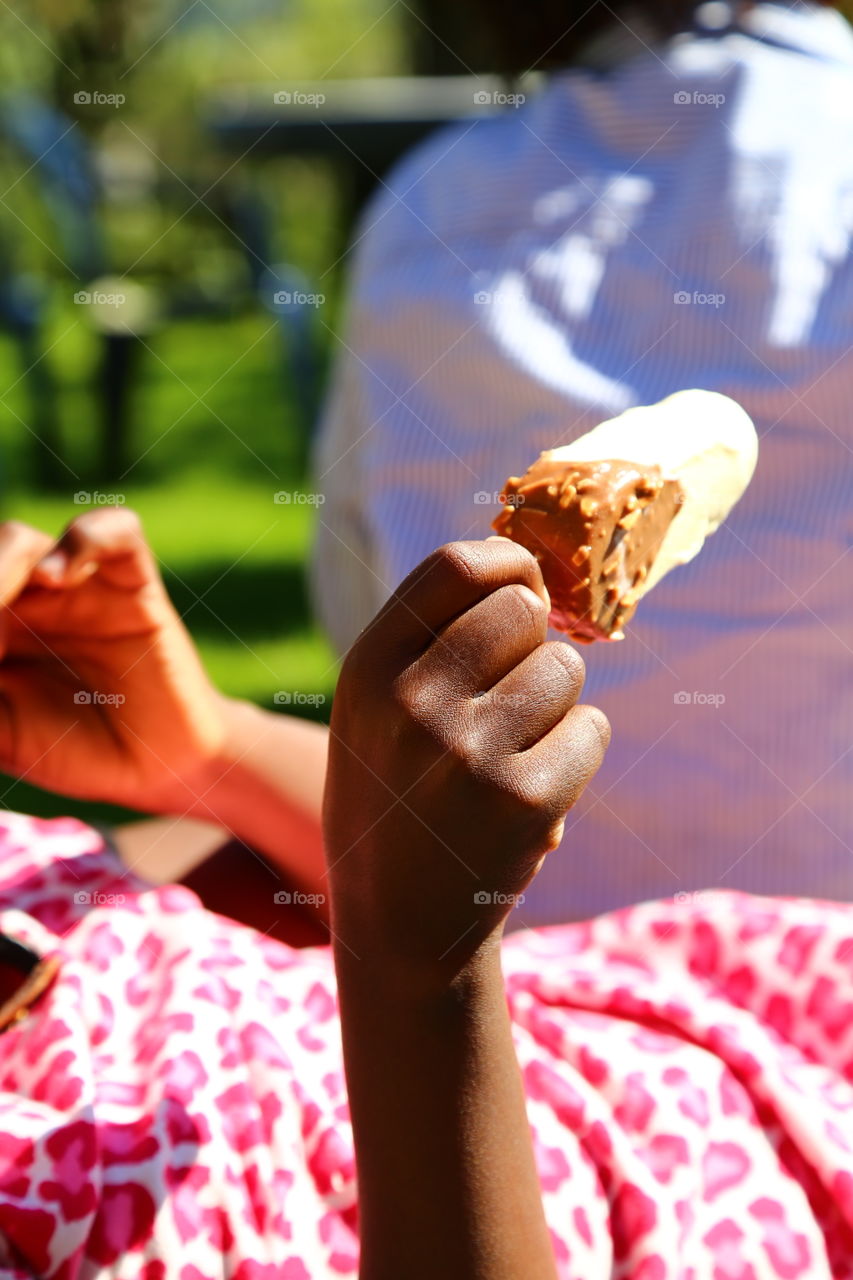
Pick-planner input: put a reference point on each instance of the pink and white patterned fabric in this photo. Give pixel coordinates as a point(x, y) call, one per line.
point(174, 1106)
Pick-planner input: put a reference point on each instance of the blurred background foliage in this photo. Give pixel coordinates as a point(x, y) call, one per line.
point(215, 425)
point(142, 197)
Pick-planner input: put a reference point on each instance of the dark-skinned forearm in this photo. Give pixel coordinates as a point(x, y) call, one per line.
point(447, 1181)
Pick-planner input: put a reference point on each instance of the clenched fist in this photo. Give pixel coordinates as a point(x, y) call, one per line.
point(457, 746)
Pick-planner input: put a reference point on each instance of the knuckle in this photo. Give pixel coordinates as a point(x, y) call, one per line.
point(534, 797)
point(417, 701)
point(527, 803)
point(460, 560)
point(532, 790)
point(525, 602)
point(476, 738)
point(524, 557)
point(422, 707)
point(599, 730)
point(408, 698)
point(87, 527)
point(105, 522)
point(15, 531)
point(568, 661)
point(460, 742)
point(514, 558)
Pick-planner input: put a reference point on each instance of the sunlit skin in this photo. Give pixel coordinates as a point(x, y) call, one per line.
point(456, 739)
point(456, 747)
point(103, 697)
point(102, 694)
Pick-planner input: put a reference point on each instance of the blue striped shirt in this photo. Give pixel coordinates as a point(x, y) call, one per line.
point(683, 219)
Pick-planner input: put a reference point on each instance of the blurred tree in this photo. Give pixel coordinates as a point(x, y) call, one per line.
point(444, 39)
point(449, 38)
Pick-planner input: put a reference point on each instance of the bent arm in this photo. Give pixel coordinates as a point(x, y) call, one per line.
point(265, 787)
point(447, 1181)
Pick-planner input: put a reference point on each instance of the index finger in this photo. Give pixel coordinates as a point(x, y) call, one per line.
point(449, 582)
point(21, 548)
point(109, 540)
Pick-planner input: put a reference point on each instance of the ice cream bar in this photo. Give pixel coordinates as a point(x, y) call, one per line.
point(608, 515)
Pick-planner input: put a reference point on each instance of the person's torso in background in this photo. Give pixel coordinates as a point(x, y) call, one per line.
point(682, 221)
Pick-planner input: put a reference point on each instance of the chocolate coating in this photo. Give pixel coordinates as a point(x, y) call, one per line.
point(595, 528)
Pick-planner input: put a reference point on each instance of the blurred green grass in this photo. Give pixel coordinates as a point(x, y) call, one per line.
point(232, 558)
point(216, 430)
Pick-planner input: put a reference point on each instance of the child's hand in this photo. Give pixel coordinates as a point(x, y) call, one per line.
point(102, 694)
point(456, 750)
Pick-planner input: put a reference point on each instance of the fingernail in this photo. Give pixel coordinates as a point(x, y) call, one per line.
point(53, 564)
